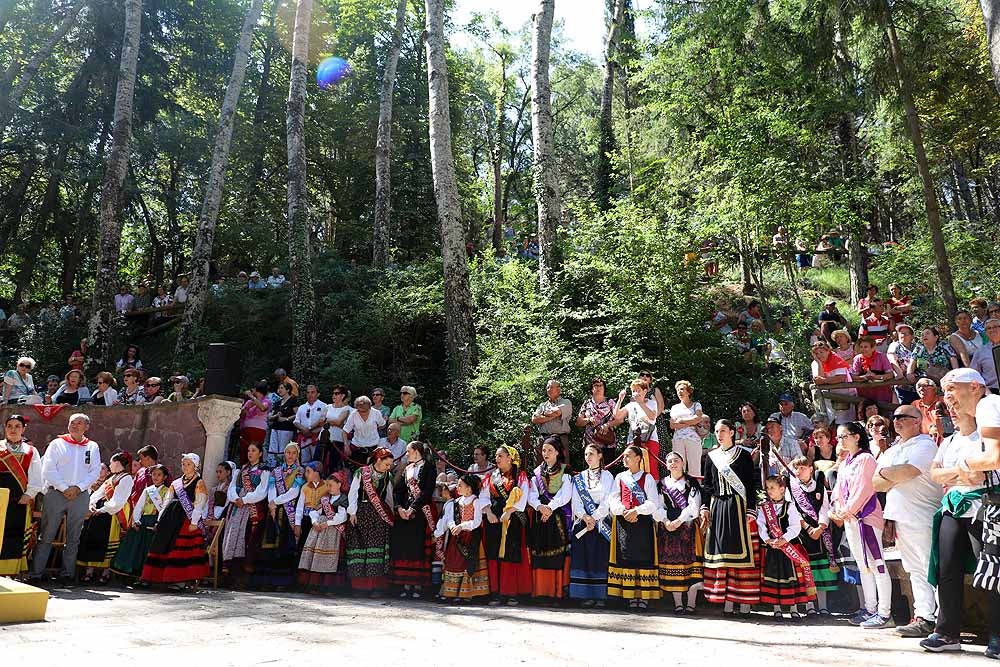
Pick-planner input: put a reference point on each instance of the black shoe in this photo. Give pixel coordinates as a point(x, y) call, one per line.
point(937, 643)
point(993, 648)
point(66, 582)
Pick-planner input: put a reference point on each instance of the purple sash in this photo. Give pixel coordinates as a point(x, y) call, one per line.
point(546, 497)
point(282, 488)
point(679, 500)
point(806, 507)
point(182, 496)
point(868, 536)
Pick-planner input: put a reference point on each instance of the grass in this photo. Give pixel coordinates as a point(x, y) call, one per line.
point(835, 281)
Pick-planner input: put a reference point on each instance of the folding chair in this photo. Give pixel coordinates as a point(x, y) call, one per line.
point(213, 548)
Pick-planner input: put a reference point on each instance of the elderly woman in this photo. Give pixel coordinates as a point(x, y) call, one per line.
point(597, 417)
point(412, 533)
point(73, 390)
point(132, 393)
point(407, 414)
point(880, 434)
point(106, 393)
point(899, 353)
point(245, 526)
point(361, 430)
point(966, 340)
point(828, 368)
point(18, 385)
point(845, 345)
point(21, 476)
point(685, 417)
point(933, 357)
point(109, 518)
point(177, 553)
point(370, 511)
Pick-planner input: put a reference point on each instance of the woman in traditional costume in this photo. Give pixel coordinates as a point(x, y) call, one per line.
point(371, 514)
point(177, 555)
point(550, 496)
point(412, 550)
point(278, 558)
point(20, 482)
point(732, 546)
point(678, 538)
point(320, 570)
point(247, 513)
point(504, 497)
point(218, 495)
point(633, 570)
point(131, 556)
point(465, 573)
point(591, 531)
point(109, 519)
point(785, 577)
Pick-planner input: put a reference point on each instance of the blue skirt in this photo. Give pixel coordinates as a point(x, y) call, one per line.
point(588, 565)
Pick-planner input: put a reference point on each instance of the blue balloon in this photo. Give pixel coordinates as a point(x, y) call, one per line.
point(331, 71)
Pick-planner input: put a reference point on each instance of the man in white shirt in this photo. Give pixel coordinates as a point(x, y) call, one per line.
point(982, 359)
point(309, 420)
point(123, 300)
point(71, 464)
point(361, 427)
point(912, 498)
point(393, 442)
point(795, 427)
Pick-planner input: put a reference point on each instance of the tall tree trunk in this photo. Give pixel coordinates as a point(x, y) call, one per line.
point(494, 132)
point(606, 130)
point(383, 146)
point(300, 263)
point(106, 282)
point(204, 239)
point(256, 134)
point(964, 191)
point(48, 209)
point(991, 17)
point(10, 101)
point(923, 166)
point(457, 293)
point(546, 178)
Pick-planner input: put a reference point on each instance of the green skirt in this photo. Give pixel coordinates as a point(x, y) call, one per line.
point(134, 548)
point(826, 580)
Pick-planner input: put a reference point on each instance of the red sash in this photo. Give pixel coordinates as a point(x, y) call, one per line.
point(794, 552)
point(374, 498)
point(329, 512)
point(247, 488)
point(68, 439)
point(19, 469)
point(414, 487)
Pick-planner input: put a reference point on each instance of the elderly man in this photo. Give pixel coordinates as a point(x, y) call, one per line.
point(912, 498)
point(552, 416)
point(70, 466)
point(795, 428)
point(982, 360)
point(393, 442)
point(927, 404)
point(309, 419)
point(281, 376)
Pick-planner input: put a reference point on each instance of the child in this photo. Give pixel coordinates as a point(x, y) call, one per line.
point(465, 575)
point(310, 496)
point(218, 497)
point(808, 489)
point(134, 548)
point(785, 578)
point(319, 565)
point(680, 565)
point(444, 492)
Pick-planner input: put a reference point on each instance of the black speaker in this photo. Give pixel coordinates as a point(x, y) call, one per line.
point(222, 376)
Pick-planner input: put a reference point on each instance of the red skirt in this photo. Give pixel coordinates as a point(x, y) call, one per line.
point(511, 579)
point(187, 561)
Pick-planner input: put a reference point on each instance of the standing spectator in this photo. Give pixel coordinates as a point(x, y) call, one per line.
point(124, 299)
point(795, 427)
point(407, 414)
point(652, 391)
point(281, 376)
point(70, 466)
point(253, 419)
point(129, 359)
point(162, 302)
point(19, 319)
point(597, 417)
point(132, 394)
point(552, 416)
point(242, 279)
point(965, 341)
point(76, 360)
point(864, 303)
point(880, 434)
point(181, 293)
point(219, 287)
point(21, 477)
point(877, 325)
point(870, 365)
point(928, 405)
point(378, 402)
point(641, 414)
point(393, 442)
point(256, 282)
point(181, 389)
point(912, 498)
point(899, 353)
point(143, 299)
point(333, 453)
point(73, 391)
point(68, 311)
point(151, 391)
point(282, 422)
point(685, 418)
point(982, 360)
point(18, 385)
point(276, 279)
point(898, 305)
point(361, 428)
point(980, 314)
point(933, 357)
point(106, 393)
point(309, 420)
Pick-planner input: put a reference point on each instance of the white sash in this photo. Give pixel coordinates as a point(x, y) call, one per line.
point(720, 457)
point(155, 498)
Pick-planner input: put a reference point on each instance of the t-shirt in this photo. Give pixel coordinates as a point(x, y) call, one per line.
point(988, 411)
point(556, 426)
point(181, 294)
point(637, 416)
point(681, 411)
point(982, 361)
point(915, 500)
point(955, 449)
point(408, 432)
point(875, 326)
point(877, 363)
point(333, 412)
point(254, 418)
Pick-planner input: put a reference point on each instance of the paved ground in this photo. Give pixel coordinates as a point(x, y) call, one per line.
point(221, 628)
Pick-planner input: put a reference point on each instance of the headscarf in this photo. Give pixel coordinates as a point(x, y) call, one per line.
point(341, 477)
point(515, 456)
point(193, 458)
point(380, 453)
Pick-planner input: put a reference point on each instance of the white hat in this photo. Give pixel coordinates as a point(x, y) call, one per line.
point(963, 376)
point(193, 458)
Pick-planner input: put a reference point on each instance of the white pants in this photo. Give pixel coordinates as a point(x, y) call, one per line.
point(876, 586)
point(690, 450)
point(914, 543)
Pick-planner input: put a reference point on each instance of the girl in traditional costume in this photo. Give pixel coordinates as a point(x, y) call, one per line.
point(550, 495)
point(218, 496)
point(320, 570)
point(678, 537)
point(785, 577)
point(809, 493)
point(310, 496)
point(413, 550)
point(177, 554)
point(109, 519)
point(591, 531)
point(732, 560)
point(20, 482)
point(465, 574)
point(504, 497)
point(247, 512)
point(633, 570)
point(131, 556)
point(278, 558)
point(371, 514)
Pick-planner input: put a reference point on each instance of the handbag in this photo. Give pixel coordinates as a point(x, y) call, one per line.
point(987, 574)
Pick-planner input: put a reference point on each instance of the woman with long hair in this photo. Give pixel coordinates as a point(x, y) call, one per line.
point(633, 569)
point(504, 497)
point(591, 532)
point(412, 550)
point(247, 513)
point(678, 536)
point(109, 519)
point(550, 495)
point(370, 511)
point(21, 475)
point(278, 558)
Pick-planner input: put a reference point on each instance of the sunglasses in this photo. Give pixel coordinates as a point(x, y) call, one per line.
point(379, 395)
point(101, 382)
point(904, 417)
point(152, 384)
point(24, 365)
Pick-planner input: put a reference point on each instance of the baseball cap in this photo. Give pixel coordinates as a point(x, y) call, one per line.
point(786, 397)
point(964, 376)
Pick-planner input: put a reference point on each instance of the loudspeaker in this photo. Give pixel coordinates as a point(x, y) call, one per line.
point(223, 373)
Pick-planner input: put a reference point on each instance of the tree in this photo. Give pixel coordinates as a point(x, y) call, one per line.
point(461, 335)
point(205, 237)
point(106, 284)
point(383, 146)
point(991, 17)
point(606, 141)
point(299, 259)
point(546, 180)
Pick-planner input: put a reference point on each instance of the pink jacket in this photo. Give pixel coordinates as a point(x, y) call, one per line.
point(855, 487)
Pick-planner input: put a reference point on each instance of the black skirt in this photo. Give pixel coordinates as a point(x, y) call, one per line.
point(548, 541)
point(636, 542)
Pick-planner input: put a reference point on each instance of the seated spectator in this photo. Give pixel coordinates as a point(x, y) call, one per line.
point(866, 410)
point(276, 279)
point(877, 325)
point(3, 317)
point(933, 357)
point(181, 293)
point(19, 319)
point(898, 306)
point(132, 394)
point(821, 258)
point(219, 286)
point(74, 390)
point(993, 309)
point(720, 320)
point(741, 340)
point(52, 384)
point(864, 303)
point(18, 385)
point(844, 345)
point(181, 389)
point(68, 310)
point(752, 312)
point(828, 368)
point(870, 365)
point(243, 279)
point(76, 360)
point(980, 314)
point(899, 353)
point(106, 393)
point(151, 391)
point(930, 406)
point(130, 359)
point(982, 360)
point(759, 340)
point(965, 341)
point(393, 442)
point(831, 313)
point(124, 299)
point(256, 282)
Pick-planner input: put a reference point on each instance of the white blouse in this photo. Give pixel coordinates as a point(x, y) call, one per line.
point(319, 518)
point(289, 495)
point(255, 496)
point(563, 496)
point(689, 513)
point(199, 505)
point(599, 487)
point(35, 483)
point(117, 500)
point(794, 523)
point(823, 516)
point(648, 485)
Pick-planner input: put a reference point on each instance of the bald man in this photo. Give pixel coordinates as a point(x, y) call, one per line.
point(912, 499)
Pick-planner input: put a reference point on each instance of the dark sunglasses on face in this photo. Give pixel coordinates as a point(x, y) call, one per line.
point(152, 384)
point(903, 417)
